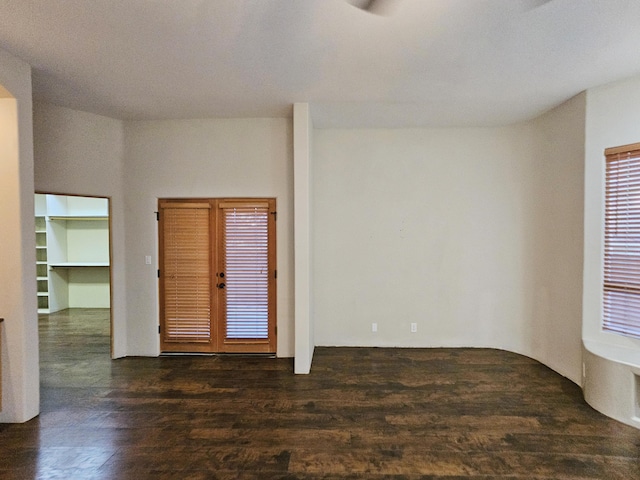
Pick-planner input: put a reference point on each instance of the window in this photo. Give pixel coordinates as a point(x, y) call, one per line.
point(622, 241)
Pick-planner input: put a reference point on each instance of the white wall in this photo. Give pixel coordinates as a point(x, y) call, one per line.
point(203, 158)
point(428, 226)
point(82, 153)
point(89, 287)
point(557, 317)
point(19, 345)
point(451, 229)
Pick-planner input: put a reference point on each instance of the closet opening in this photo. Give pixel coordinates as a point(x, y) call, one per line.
point(73, 258)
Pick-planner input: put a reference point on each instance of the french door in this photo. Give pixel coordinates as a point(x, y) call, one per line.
point(217, 275)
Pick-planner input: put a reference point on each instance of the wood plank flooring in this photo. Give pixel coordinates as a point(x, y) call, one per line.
point(363, 413)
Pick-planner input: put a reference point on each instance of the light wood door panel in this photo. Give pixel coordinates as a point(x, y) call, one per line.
point(247, 260)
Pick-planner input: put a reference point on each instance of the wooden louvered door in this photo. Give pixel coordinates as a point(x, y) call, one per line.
point(217, 275)
point(186, 232)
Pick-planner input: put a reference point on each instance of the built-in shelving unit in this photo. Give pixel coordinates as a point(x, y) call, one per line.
point(72, 238)
point(41, 265)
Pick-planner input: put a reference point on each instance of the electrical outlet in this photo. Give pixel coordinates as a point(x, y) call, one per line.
point(414, 327)
point(147, 259)
point(374, 327)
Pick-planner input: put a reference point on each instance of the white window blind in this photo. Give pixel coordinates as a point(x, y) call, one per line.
point(622, 241)
point(246, 270)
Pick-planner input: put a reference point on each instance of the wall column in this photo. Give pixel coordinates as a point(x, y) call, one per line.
point(304, 342)
point(20, 359)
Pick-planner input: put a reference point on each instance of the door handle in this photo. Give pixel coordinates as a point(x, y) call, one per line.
point(221, 285)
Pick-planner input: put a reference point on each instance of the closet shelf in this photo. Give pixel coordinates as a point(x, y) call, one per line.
point(73, 217)
point(78, 264)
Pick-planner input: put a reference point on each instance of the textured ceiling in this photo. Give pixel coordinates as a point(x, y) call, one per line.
point(424, 63)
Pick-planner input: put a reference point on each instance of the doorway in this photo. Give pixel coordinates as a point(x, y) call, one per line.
point(73, 251)
point(217, 275)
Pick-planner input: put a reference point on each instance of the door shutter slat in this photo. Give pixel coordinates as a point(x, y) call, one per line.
point(621, 300)
point(186, 274)
point(246, 270)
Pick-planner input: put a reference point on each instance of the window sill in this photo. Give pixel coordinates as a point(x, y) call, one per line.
point(615, 353)
point(611, 380)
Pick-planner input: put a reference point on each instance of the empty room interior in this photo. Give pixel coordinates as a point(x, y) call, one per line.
point(320, 239)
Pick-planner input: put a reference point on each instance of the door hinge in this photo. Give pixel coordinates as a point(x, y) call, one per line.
point(275, 215)
point(159, 329)
point(157, 216)
point(275, 274)
point(158, 273)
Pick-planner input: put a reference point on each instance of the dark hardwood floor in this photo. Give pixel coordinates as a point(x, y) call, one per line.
point(363, 413)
